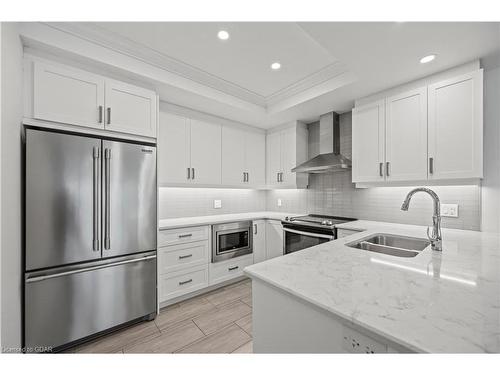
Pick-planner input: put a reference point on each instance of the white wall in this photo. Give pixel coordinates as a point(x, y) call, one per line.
point(490, 190)
point(12, 108)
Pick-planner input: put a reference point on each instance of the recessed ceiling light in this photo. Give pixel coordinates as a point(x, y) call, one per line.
point(223, 35)
point(427, 59)
point(275, 66)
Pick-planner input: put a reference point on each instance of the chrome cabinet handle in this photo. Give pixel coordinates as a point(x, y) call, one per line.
point(431, 165)
point(188, 173)
point(381, 169)
point(108, 115)
point(185, 256)
point(100, 114)
point(185, 282)
point(192, 173)
point(233, 268)
point(244, 177)
point(248, 177)
point(95, 240)
point(387, 168)
point(107, 208)
point(185, 235)
point(255, 229)
point(278, 177)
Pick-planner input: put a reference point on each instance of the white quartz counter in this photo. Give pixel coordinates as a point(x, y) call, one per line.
point(434, 302)
point(215, 219)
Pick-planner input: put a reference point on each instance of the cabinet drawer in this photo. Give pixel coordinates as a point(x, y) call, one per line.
point(182, 235)
point(176, 284)
point(229, 269)
point(177, 257)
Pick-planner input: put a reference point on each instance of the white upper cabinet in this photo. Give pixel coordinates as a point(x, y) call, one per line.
point(205, 153)
point(456, 127)
point(174, 149)
point(406, 136)
point(243, 157)
point(429, 133)
point(76, 97)
point(368, 142)
point(130, 109)
point(67, 95)
point(285, 149)
point(255, 158)
point(273, 156)
point(233, 156)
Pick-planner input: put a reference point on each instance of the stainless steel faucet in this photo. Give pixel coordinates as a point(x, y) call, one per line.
point(435, 237)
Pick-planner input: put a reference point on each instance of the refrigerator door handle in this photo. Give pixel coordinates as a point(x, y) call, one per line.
point(87, 269)
point(107, 215)
point(95, 218)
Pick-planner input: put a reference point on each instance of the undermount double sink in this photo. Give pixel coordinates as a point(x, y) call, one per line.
point(390, 244)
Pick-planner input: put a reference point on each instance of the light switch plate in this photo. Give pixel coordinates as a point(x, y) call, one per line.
point(217, 203)
point(279, 202)
point(449, 210)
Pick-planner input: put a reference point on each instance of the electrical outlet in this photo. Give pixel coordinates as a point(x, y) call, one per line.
point(355, 342)
point(449, 210)
point(279, 202)
point(217, 203)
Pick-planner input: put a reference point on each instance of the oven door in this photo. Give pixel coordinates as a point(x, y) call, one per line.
point(295, 240)
point(230, 243)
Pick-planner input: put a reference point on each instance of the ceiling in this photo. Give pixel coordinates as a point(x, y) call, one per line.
point(325, 65)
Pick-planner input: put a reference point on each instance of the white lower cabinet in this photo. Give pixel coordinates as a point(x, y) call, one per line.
point(274, 239)
point(176, 284)
point(259, 241)
point(177, 257)
point(229, 269)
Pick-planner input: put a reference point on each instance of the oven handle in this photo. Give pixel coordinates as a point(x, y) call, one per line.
point(309, 234)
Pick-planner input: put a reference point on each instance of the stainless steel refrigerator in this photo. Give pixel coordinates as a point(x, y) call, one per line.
point(90, 236)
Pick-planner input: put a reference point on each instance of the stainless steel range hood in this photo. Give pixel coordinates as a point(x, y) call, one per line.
point(329, 159)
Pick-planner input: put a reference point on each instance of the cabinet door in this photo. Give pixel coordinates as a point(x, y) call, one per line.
point(255, 158)
point(456, 127)
point(233, 156)
point(274, 239)
point(368, 137)
point(174, 149)
point(66, 95)
point(288, 155)
point(259, 241)
point(406, 136)
point(130, 109)
point(273, 155)
point(205, 152)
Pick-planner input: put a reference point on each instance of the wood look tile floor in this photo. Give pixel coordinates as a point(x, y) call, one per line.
point(219, 321)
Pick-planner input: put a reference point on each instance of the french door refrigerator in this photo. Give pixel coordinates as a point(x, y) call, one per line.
point(90, 236)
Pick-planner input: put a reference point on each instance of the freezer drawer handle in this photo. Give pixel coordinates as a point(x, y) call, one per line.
point(107, 216)
point(95, 219)
point(233, 268)
point(185, 256)
point(185, 282)
point(80, 270)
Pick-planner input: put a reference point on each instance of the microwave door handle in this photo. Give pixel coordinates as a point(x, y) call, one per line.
point(309, 234)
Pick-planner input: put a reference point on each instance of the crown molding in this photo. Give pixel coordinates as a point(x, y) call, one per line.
point(96, 34)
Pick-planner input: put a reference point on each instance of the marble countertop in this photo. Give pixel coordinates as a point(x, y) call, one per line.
point(215, 219)
point(434, 302)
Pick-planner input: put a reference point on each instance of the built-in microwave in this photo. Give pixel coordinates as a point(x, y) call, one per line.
point(231, 240)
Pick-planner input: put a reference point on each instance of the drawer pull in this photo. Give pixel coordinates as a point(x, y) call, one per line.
point(185, 282)
point(185, 235)
point(233, 268)
point(185, 256)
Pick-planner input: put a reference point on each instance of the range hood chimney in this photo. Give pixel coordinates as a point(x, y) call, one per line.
point(329, 159)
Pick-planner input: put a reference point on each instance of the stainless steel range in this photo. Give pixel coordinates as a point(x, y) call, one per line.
point(300, 232)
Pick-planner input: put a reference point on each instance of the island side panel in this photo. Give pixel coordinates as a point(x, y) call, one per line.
point(282, 323)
